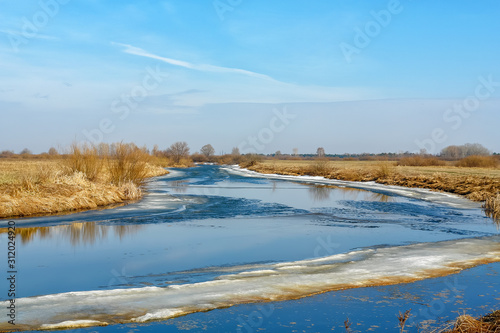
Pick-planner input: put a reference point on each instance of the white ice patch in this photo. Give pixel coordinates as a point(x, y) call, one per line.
point(73, 324)
point(260, 282)
point(448, 199)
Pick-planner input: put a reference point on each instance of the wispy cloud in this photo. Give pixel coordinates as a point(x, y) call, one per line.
point(198, 67)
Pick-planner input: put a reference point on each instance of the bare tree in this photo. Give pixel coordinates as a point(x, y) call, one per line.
point(6, 153)
point(278, 153)
point(156, 151)
point(320, 152)
point(459, 152)
point(178, 150)
point(25, 151)
point(295, 151)
point(236, 151)
point(476, 149)
point(53, 151)
point(208, 151)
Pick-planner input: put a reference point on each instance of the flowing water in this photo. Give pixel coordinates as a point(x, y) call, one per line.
point(221, 249)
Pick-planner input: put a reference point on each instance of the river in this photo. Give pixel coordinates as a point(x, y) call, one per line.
point(220, 249)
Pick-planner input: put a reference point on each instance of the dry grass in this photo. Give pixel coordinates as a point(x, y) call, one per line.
point(492, 207)
point(127, 163)
point(318, 168)
point(467, 324)
point(34, 187)
point(477, 184)
point(463, 324)
point(251, 160)
point(85, 159)
point(421, 161)
point(403, 318)
point(478, 162)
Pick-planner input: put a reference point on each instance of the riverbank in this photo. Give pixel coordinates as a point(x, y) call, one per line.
point(31, 187)
point(476, 184)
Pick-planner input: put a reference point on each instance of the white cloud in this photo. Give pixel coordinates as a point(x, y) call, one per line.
point(198, 67)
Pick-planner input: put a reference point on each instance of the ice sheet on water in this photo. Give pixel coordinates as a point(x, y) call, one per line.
point(260, 282)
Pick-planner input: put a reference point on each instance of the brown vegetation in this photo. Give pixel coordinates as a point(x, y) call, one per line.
point(87, 178)
point(476, 161)
point(467, 324)
point(403, 318)
point(419, 160)
point(251, 160)
point(463, 324)
point(492, 207)
point(475, 184)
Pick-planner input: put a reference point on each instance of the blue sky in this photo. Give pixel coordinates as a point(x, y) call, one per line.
point(350, 76)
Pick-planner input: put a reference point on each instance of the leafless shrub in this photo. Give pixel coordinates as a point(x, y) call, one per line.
point(421, 161)
point(85, 159)
point(476, 161)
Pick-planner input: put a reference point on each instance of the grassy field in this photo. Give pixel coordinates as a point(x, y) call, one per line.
point(40, 187)
point(365, 166)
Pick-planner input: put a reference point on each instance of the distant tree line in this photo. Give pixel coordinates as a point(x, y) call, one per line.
point(180, 150)
point(459, 152)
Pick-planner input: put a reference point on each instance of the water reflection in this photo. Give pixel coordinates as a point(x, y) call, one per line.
point(323, 192)
point(77, 233)
point(494, 216)
point(320, 192)
point(179, 186)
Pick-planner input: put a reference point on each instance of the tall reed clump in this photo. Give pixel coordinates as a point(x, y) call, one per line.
point(467, 324)
point(383, 171)
point(251, 160)
point(475, 161)
point(320, 167)
point(127, 163)
point(492, 207)
point(85, 159)
point(118, 163)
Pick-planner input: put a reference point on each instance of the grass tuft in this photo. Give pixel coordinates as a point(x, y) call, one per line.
point(478, 162)
point(320, 167)
point(384, 171)
point(251, 160)
point(421, 161)
point(127, 163)
point(85, 159)
point(492, 207)
point(467, 324)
